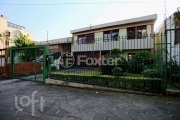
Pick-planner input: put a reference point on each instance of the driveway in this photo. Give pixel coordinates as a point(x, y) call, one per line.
point(79, 104)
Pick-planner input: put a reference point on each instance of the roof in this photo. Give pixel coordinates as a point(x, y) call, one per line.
point(122, 22)
point(56, 41)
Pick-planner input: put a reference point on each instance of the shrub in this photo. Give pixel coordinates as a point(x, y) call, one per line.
point(125, 82)
point(139, 61)
point(154, 73)
point(121, 62)
point(117, 71)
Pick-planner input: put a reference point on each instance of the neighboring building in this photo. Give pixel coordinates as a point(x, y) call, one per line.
point(12, 30)
point(58, 45)
point(130, 35)
point(173, 39)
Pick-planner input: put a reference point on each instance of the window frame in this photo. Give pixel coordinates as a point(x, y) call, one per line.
point(109, 34)
point(84, 39)
point(143, 36)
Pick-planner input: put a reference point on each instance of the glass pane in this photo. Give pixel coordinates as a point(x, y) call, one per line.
point(131, 33)
point(141, 32)
point(105, 37)
point(108, 37)
point(79, 40)
point(114, 36)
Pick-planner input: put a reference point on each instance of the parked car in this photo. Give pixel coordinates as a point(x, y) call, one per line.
point(56, 62)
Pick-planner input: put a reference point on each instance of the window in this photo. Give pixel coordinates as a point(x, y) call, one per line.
point(89, 38)
point(13, 26)
point(177, 34)
point(9, 25)
point(138, 32)
point(81, 39)
point(130, 56)
point(85, 39)
point(20, 28)
point(111, 35)
point(17, 27)
point(7, 33)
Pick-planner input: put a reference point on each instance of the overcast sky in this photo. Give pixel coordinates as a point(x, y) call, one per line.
point(58, 17)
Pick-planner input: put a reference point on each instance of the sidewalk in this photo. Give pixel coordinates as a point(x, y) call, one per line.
point(78, 104)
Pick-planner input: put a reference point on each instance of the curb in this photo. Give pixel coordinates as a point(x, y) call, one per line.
point(85, 86)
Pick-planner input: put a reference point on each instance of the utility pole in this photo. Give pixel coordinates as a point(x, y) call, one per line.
point(47, 37)
point(165, 10)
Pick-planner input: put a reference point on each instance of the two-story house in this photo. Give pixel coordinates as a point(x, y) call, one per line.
point(130, 35)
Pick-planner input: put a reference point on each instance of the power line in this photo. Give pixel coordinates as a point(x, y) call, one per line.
point(79, 3)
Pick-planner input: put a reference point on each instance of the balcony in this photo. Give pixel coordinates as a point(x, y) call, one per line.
point(123, 44)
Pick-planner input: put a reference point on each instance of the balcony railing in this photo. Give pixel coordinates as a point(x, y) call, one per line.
point(124, 44)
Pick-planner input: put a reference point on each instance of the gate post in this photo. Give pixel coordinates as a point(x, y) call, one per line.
point(45, 67)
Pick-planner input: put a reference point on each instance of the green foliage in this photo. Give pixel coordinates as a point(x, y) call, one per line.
point(118, 61)
point(23, 41)
point(140, 60)
point(4, 36)
point(176, 17)
point(154, 73)
point(125, 82)
point(117, 71)
point(116, 51)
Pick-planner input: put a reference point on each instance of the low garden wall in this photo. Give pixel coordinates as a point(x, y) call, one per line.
point(27, 67)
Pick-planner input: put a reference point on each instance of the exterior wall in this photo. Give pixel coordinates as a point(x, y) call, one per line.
point(4, 27)
point(123, 32)
point(98, 37)
point(149, 29)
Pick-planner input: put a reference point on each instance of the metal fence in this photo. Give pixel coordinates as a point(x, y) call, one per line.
point(119, 63)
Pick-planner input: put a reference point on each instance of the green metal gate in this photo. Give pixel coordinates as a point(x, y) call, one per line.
point(30, 63)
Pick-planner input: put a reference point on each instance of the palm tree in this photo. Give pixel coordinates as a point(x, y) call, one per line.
point(23, 41)
point(5, 38)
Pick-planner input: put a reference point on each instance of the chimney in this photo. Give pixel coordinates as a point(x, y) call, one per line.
point(1, 15)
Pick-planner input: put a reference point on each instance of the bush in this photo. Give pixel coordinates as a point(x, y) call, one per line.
point(117, 71)
point(121, 62)
point(154, 73)
point(140, 60)
point(125, 82)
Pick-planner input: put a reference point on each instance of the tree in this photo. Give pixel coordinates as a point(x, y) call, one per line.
point(5, 38)
point(140, 60)
point(117, 61)
point(23, 41)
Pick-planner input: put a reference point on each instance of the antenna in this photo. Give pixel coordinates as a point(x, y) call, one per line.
point(47, 37)
point(165, 9)
point(90, 27)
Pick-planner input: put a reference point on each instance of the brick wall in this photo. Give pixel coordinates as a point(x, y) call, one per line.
point(22, 68)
